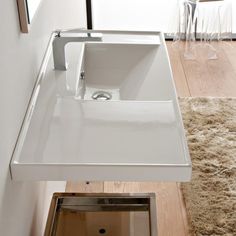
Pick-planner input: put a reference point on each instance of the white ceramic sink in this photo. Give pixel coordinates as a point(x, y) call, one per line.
point(72, 133)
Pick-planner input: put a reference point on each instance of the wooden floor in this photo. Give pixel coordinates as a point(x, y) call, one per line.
point(203, 77)
point(199, 77)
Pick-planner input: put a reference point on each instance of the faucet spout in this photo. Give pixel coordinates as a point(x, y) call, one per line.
point(60, 42)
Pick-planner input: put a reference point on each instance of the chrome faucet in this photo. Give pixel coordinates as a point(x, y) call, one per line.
point(64, 37)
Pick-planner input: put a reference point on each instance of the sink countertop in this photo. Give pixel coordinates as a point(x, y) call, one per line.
point(138, 138)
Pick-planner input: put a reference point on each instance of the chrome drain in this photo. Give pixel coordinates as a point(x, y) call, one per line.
point(101, 95)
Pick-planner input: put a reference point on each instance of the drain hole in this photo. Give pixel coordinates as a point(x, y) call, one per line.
point(102, 231)
point(101, 95)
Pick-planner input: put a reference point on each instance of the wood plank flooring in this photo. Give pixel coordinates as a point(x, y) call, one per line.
point(201, 77)
point(192, 78)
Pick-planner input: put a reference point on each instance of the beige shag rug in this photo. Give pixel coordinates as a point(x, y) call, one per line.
point(210, 197)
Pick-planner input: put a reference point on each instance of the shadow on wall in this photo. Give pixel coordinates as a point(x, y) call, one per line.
point(22, 201)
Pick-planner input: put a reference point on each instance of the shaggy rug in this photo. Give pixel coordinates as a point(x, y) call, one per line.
point(210, 197)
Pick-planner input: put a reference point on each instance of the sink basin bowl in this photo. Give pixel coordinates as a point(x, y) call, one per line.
point(120, 70)
point(113, 115)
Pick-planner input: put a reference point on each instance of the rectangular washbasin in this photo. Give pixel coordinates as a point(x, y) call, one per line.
point(113, 115)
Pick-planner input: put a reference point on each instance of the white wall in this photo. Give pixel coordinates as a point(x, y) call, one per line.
point(138, 14)
point(130, 14)
point(22, 205)
point(234, 16)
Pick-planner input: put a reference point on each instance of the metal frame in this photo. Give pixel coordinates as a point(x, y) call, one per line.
point(89, 14)
point(102, 202)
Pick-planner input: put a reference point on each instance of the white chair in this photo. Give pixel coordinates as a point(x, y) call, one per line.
point(207, 20)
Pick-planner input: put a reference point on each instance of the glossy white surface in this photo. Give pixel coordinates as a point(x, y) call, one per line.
point(138, 135)
point(120, 37)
